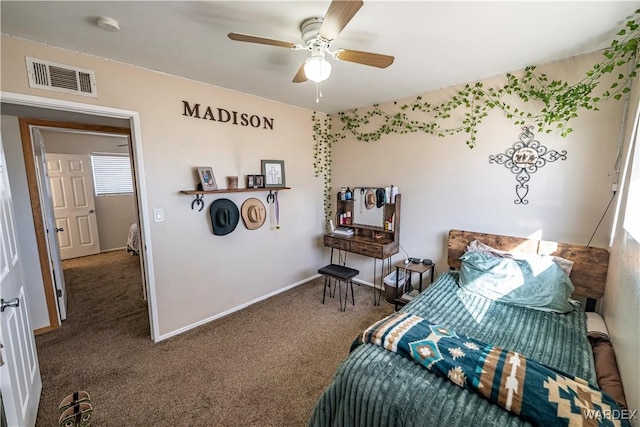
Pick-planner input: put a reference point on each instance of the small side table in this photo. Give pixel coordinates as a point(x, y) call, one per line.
point(410, 269)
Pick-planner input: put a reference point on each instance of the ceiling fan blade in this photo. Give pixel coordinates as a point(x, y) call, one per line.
point(364, 58)
point(260, 40)
point(300, 76)
point(338, 16)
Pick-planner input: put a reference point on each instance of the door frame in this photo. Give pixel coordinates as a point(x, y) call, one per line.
point(135, 137)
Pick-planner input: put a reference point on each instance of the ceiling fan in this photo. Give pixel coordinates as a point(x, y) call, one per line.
point(317, 36)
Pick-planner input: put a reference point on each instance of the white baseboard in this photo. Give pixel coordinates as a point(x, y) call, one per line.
point(112, 249)
point(364, 282)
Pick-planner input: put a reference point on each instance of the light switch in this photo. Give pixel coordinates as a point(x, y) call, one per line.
point(158, 215)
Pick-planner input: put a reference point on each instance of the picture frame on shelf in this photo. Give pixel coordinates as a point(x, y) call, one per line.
point(251, 183)
point(273, 172)
point(207, 179)
point(259, 181)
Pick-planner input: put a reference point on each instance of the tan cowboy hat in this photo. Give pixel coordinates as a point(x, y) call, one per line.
point(253, 213)
point(370, 199)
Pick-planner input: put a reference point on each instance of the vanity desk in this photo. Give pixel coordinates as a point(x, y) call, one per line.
point(367, 246)
point(379, 242)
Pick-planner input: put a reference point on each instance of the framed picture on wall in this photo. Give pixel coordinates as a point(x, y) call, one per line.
point(259, 181)
point(251, 181)
point(273, 171)
point(207, 180)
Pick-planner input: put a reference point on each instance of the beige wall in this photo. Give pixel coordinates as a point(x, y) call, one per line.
point(198, 275)
point(445, 185)
point(115, 214)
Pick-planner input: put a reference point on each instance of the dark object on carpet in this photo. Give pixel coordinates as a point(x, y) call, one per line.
point(78, 415)
point(73, 399)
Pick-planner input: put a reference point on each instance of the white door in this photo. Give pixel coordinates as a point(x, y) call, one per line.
point(20, 381)
point(59, 287)
point(71, 183)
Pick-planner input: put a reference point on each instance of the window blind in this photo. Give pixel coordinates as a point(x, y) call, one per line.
point(111, 174)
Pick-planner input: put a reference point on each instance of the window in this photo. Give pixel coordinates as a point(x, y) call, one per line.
point(632, 165)
point(111, 173)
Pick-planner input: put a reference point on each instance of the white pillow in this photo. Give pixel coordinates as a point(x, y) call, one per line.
point(595, 323)
point(477, 246)
point(565, 264)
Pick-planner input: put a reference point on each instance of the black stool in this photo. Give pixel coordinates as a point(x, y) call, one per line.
point(341, 274)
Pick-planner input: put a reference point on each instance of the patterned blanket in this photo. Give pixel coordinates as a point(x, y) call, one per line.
point(534, 392)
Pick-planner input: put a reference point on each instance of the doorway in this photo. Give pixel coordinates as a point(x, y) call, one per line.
point(32, 106)
point(93, 203)
point(43, 192)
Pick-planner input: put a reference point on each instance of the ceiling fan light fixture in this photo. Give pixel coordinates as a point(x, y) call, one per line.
point(317, 69)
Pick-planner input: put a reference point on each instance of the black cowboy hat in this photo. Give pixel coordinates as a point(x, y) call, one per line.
point(224, 216)
point(379, 197)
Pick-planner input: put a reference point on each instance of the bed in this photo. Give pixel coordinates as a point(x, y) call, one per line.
point(133, 240)
point(376, 386)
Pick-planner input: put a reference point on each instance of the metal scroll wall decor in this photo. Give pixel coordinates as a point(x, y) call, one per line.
point(525, 158)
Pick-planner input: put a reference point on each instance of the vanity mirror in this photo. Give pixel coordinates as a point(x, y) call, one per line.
point(368, 206)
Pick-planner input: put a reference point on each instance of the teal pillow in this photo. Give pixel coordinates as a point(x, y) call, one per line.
point(535, 282)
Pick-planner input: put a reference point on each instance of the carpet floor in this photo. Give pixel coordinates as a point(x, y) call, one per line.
point(265, 365)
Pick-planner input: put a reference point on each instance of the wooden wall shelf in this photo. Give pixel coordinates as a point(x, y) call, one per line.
point(233, 190)
point(199, 200)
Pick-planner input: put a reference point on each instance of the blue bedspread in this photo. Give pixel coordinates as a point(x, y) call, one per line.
point(524, 387)
point(376, 387)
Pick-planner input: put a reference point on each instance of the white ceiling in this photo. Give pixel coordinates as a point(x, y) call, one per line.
point(436, 44)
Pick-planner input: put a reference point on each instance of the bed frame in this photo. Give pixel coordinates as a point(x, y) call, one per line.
point(589, 272)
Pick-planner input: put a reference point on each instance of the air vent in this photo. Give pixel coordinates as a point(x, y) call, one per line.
point(61, 78)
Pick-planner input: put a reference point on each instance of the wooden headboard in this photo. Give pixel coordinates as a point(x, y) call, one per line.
point(589, 272)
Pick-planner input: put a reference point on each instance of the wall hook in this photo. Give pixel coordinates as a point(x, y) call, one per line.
point(198, 201)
